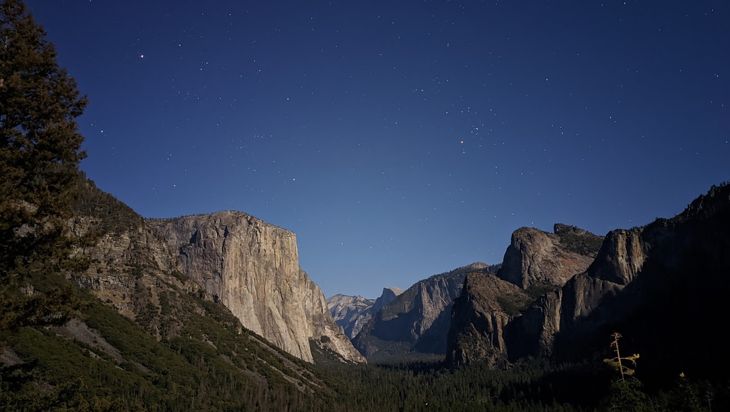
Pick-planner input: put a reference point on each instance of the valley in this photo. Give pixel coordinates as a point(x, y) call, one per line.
point(149, 249)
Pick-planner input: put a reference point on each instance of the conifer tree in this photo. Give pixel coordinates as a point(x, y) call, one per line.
point(40, 146)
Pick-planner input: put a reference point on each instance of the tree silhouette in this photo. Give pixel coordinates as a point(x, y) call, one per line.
point(40, 146)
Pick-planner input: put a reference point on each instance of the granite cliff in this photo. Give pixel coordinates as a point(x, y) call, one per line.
point(537, 258)
point(535, 264)
point(138, 333)
point(386, 296)
point(415, 324)
point(479, 317)
point(663, 286)
point(231, 258)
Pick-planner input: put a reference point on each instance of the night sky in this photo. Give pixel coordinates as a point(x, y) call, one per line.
point(401, 139)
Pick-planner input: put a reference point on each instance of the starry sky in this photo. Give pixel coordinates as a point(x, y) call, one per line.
point(401, 139)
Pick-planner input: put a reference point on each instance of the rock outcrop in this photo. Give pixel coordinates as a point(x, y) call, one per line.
point(537, 258)
point(252, 268)
point(621, 257)
point(663, 286)
point(353, 312)
point(618, 262)
point(388, 295)
point(234, 259)
point(486, 305)
point(416, 323)
point(536, 264)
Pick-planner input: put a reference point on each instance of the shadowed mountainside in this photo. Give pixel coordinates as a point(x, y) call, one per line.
point(661, 285)
point(535, 263)
point(415, 324)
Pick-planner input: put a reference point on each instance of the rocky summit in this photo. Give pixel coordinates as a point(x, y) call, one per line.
point(537, 258)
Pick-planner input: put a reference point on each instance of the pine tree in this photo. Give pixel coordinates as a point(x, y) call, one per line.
point(40, 146)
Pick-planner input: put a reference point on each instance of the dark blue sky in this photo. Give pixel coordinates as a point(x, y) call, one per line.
point(400, 139)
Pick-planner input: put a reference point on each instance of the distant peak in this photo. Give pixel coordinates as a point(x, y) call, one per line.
point(348, 297)
point(477, 265)
point(393, 290)
point(388, 295)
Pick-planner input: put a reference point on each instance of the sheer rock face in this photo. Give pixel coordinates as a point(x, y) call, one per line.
point(252, 268)
point(648, 281)
point(535, 257)
point(621, 257)
point(494, 319)
point(664, 282)
point(618, 262)
point(533, 332)
point(232, 258)
point(353, 312)
point(486, 305)
point(417, 322)
point(388, 295)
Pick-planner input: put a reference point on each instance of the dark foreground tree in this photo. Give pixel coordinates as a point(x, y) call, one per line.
point(40, 146)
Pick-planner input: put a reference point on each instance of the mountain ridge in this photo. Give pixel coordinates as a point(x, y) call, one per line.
point(642, 281)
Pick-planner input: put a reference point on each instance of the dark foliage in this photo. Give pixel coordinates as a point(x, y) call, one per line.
point(212, 363)
point(578, 240)
point(671, 313)
point(112, 216)
point(39, 143)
